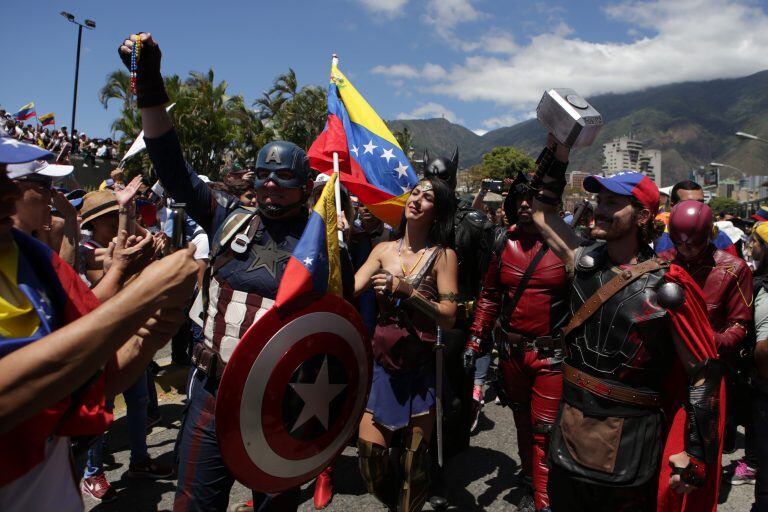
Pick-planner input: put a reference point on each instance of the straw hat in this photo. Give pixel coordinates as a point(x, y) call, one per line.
point(98, 203)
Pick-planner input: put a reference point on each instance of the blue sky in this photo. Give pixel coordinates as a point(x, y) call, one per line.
point(481, 63)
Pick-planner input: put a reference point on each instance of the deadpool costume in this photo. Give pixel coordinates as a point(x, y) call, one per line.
point(531, 378)
point(641, 411)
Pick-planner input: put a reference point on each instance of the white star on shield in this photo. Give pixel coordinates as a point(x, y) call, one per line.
point(317, 397)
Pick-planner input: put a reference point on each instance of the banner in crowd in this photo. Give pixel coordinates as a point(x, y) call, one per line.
point(314, 265)
point(26, 112)
point(47, 119)
point(372, 164)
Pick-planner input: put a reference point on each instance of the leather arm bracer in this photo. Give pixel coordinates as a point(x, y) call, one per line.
point(702, 440)
point(415, 301)
point(547, 166)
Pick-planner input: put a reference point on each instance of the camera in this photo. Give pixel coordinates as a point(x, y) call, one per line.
point(493, 185)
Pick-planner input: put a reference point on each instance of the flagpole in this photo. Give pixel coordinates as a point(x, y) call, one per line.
point(337, 190)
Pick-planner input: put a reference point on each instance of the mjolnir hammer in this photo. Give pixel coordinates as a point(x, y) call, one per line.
point(569, 117)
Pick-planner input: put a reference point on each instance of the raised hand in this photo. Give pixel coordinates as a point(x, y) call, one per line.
point(129, 254)
point(126, 195)
point(150, 88)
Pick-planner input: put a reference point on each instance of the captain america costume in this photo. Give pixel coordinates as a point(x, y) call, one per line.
point(249, 252)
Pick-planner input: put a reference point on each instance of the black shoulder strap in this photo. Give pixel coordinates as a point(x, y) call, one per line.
point(508, 306)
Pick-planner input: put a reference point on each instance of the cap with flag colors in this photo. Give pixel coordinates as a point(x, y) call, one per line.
point(761, 215)
point(372, 164)
point(47, 119)
point(14, 151)
point(627, 183)
point(314, 266)
point(26, 112)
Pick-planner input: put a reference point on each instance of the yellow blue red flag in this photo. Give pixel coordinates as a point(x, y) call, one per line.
point(314, 266)
point(26, 112)
point(372, 164)
point(47, 119)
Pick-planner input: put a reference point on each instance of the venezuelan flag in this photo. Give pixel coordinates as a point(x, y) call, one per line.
point(26, 112)
point(47, 119)
point(315, 266)
point(372, 164)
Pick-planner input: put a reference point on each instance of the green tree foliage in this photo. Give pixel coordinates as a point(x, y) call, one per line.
point(404, 138)
point(505, 162)
point(216, 128)
point(723, 204)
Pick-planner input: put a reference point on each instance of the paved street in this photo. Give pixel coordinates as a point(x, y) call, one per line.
point(480, 478)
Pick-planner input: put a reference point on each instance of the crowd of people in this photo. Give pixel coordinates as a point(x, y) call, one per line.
point(631, 333)
point(60, 141)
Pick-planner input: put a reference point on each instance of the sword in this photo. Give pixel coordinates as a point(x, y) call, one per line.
point(439, 346)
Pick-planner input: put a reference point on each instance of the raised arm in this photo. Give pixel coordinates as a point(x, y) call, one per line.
point(163, 147)
point(42, 373)
point(551, 166)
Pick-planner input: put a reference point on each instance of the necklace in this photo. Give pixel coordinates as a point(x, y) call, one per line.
point(135, 54)
point(407, 273)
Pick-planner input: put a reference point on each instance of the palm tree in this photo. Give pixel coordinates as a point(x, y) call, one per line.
point(117, 86)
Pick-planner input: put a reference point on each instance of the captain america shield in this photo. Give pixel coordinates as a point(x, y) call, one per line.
point(293, 393)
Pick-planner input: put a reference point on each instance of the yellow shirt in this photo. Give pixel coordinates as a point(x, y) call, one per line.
point(18, 319)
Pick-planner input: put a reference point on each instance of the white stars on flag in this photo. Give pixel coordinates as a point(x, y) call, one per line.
point(355, 150)
point(402, 170)
point(387, 154)
point(308, 261)
point(369, 147)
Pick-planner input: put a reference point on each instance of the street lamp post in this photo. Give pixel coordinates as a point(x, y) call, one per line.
point(718, 164)
point(749, 136)
point(89, 24)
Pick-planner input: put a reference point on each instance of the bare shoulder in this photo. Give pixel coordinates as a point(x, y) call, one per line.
point(447, 259)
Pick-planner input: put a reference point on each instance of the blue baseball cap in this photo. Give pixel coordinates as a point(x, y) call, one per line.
point(14, 151)
point(627, 183)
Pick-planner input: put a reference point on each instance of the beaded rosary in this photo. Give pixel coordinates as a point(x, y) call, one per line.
point(135, 53)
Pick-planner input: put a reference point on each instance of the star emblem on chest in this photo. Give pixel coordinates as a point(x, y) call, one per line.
point(269, 257)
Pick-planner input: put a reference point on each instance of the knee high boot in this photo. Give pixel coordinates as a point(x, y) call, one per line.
point(323, 488)
point(415, 471)
point(376, 472)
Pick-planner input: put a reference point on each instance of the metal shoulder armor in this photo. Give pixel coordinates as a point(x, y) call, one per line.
point(670, 295)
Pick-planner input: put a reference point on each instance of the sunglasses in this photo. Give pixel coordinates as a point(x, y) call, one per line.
point(39, 179)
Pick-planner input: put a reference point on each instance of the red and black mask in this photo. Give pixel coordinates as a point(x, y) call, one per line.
point(690, 223)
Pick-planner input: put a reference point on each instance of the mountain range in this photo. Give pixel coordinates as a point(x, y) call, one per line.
point(692, 123)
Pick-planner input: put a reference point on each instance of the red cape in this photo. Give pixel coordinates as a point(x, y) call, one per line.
point(692, 327)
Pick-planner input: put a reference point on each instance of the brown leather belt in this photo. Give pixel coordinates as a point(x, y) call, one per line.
point(610, 391)
point(207, 360)
point(518, 342)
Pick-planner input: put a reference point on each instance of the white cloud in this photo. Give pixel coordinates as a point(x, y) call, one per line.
point(431, 72)
point(428, 111)
point(507, 120)
point(446, 14)
point(688, 40)
point(390, 8)
point(480, 131)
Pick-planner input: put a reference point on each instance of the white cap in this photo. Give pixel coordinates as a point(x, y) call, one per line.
point(321, 178)
point(39, 167)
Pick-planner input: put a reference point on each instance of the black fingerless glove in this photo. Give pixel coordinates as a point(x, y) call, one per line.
point(150, 87)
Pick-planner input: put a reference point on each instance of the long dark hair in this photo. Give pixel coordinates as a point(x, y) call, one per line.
point(441, 230)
